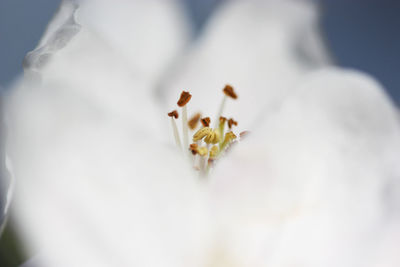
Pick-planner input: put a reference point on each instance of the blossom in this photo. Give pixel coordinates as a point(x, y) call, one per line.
point(100, 182)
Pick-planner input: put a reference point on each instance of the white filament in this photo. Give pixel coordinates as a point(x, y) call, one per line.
point(176, 133)
point(185, 127)
point(220, 111)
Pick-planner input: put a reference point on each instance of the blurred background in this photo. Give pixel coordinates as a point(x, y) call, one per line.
point(361, 34)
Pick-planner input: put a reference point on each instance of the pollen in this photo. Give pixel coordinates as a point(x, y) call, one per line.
point(184, 99)
point(213, 137)
point(192, 123)
point(206, 121)
point(200, 134)
point(173, 114)
point(202, 151)
point(229, 91)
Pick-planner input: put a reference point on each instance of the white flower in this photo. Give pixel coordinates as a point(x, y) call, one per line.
point(100, 183)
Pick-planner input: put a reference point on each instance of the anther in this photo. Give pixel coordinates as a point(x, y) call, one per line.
point(193, 148)
point(184, 99)
point(202, 151)
point(192, 123)
point(229, 137)
point(232, 122)
point(213, 137)
point(214, 152)
point(205, 121)
point(228, 91)
point(173, 114)
point(200, 134)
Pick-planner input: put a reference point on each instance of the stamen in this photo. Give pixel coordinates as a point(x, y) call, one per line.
point(232, 122)
point(221, 126)
point(228, 91)
point(229, 137)
point(192, 123)
point(216, 141)
point(193, 148)
point(174, 115)
point(185, 127)
point(202, 151)
point(206, 121)
point(200, 134)
point(212, 137)
point(183, 100)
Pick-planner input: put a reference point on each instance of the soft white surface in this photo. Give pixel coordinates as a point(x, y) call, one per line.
point(257, 47)
point(319, 178)
point(95, 185)
point(315, 184)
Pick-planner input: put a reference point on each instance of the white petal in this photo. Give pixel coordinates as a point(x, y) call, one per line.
point(319, 179)
point(95, 186)
point(261, 48)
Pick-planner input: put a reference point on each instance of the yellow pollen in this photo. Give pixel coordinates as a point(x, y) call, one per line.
point(202, 151)
point(200, 134)
point(213, 137)
point(229, 137)
point(214, 152)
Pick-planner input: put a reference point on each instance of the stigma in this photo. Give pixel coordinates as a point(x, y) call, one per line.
point(209, 143)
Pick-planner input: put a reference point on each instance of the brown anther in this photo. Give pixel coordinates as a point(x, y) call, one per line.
point(193, 148)
point(184, 99)
point(174, 114)
point(211, 161)
point(228, 91)
point(222, 119)
point(205, 121)
point(232, 122)
point(194, 121)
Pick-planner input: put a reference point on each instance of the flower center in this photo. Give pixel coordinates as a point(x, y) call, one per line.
point(208, 144)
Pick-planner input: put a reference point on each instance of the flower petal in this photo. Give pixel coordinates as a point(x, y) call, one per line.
point(95, 185)
point(319, 179)
point(256, 46)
